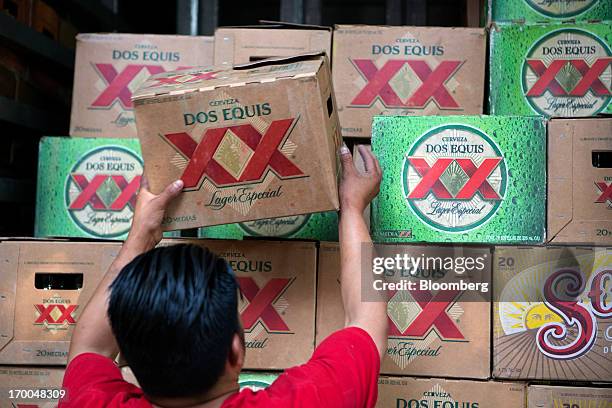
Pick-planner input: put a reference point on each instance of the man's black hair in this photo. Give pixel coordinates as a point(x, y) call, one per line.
point(173, 311)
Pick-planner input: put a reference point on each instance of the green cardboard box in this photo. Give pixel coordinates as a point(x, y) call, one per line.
point(256, 380)
point(87, 187)
point(549, 11)
point(478, 179)
point(561, 70)
point(317, 226)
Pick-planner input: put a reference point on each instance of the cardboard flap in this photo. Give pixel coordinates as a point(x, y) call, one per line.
point(269, 24)
point(9, 257)
point(209, 78)
point(560, 176)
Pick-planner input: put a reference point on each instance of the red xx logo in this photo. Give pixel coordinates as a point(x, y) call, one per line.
point(606, 192)
point(433, 316)
point(265, 154)
point(118, 83)
point(89, 192)
point(184, 78)
point(65, 317)
point(547, 77)
point(477, 182)
point(261, 300)
point(432, 86)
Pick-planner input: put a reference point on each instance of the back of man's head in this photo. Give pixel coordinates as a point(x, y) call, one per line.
point(173, 311)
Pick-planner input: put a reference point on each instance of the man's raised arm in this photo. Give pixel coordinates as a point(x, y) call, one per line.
point(356, 191)
point(93, 333)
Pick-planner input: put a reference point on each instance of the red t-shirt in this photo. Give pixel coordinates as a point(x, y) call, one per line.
point(342, 372)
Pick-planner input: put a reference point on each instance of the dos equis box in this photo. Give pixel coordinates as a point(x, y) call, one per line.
point(253, 142)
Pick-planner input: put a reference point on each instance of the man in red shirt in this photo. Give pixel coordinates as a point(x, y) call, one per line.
point(172, 312)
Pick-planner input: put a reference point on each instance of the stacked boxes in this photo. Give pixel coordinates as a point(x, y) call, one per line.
point(460, 179)
point(249, 143)
point(406, 71)
point(240, 45)
point(110, 66)
point(44, 287)
point(424, 337)
point(550, 70)
point(552, 319)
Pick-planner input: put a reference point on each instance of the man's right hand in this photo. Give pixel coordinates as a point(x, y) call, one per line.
point(357, 189)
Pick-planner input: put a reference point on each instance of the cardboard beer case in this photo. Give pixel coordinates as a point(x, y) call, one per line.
point(554, 70)
point(580, 181)
point(424, 338)
point(87, 187)
point(460, 179)
point(382, 70)
point(277, 308)
point(552, 319)
point(405, 392)
point(540, 396)
point(44, 287)
point(109, 67)
point(317, 226)
point(31, 387)
point(547, 11)
point(240, 45)
point(254, 142)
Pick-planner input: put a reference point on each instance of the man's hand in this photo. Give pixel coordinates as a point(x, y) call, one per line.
point(93, 333)
point(146, 231)
point(357, 189)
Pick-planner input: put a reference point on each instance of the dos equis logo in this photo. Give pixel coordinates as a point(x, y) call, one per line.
point(568, 73)
point(561, 8)
point(275, 227)
point(101, 191)
point(454, 178)
point(235, 155)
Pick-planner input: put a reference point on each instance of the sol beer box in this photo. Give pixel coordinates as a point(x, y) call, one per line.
point(406, 71)
point(277, 282)
point(560, 70)
point(44, 287)
point(31, 387)
point(580, 181)
point(430, 333)
point(407, 392)
point(87, 187)
point(552, 318)
point(547, 11)
point(249, 143)
point(109, 67)
point(544, 396)
point(460, 179)
point(317, 226)
point(240, 45)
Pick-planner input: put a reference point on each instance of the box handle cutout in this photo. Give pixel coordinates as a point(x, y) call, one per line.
point(602, 159)
point(58, 281)
point(330, 106)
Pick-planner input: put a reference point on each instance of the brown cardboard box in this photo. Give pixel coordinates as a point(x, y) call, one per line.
point(277, 308)
point(545, 329)
point(406, 71)
point(456, 340)
point(407, 392)
point(109, 67)
point(16, 379)
point(580, 181)
point(37, 315)
point(239, 45)
point(45, 20)
point(250, 143)
point(545, 396)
